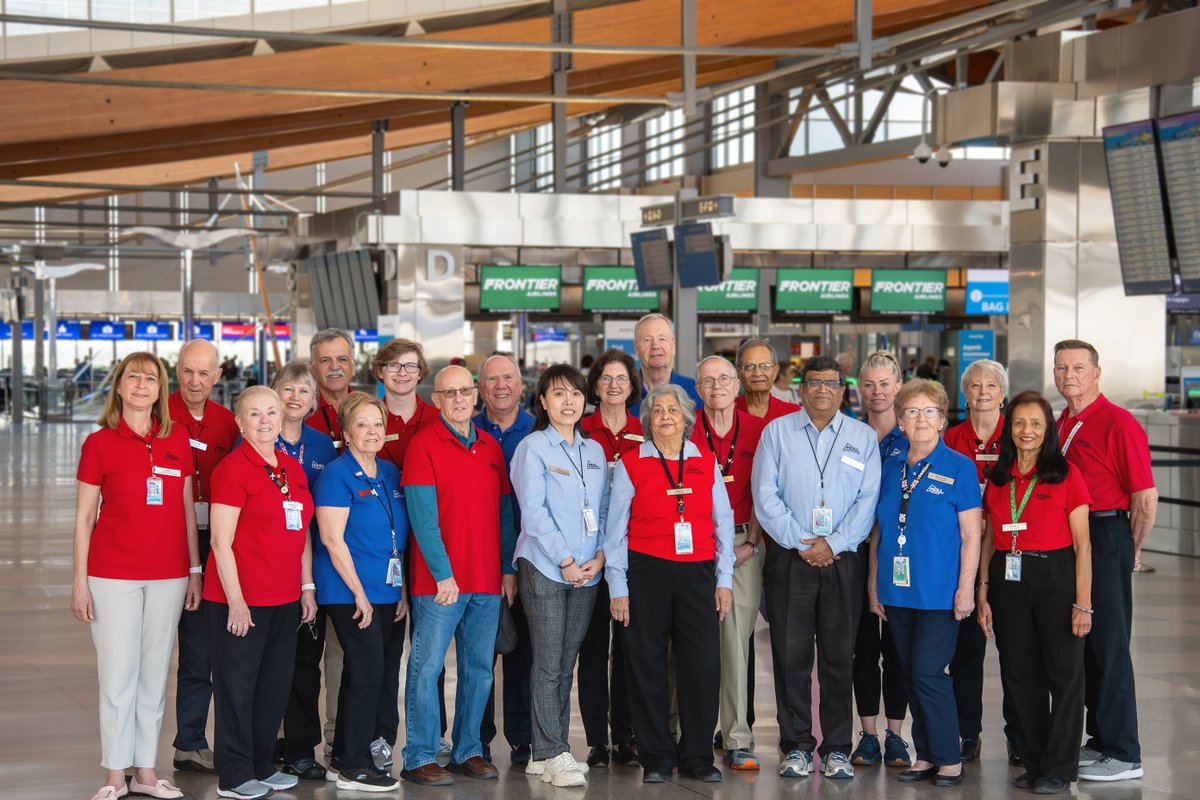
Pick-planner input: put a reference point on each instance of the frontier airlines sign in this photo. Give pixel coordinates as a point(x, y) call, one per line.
point(519, 288)
point(908, 291)
point(615, 289)
point(814, 291)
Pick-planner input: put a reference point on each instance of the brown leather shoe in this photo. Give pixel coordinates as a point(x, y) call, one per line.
point(476, 767)
point(428, 775)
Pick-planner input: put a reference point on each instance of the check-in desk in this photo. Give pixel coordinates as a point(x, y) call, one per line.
point(1175, 454)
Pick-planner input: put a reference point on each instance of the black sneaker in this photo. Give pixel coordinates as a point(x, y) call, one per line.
point(598, 756)
point(624, 754)
point(521, 754)
point(305, 769)
point(367, 780)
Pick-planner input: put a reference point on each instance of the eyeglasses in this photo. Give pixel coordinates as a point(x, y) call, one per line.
point(619, 380)
point(462, 391)
point(398, 366)
point(812, 384)
point(720, 380)
point(764, 367)
point(929, 411)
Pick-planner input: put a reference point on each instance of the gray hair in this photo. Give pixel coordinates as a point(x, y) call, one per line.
point(328, 335)
point(722, 359)
point(686, 405)
point(652, 318)
point(989, 367)
point(297, 371)
point(746, 345)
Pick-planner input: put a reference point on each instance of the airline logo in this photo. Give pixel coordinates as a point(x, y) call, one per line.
point(533, 287)
point(917, 290)
point(826, 290)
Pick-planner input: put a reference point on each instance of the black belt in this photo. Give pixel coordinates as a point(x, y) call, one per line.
point(1112, 512)
point(743, 528)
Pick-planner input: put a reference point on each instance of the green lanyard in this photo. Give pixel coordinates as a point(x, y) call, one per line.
point(1016, 510)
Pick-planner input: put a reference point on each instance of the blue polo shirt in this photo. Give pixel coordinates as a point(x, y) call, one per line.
point(314, 451)
point(933, 540)
point(343, 484)
point(892, 445)
point(682, 381)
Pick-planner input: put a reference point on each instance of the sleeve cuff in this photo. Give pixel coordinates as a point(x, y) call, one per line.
point(725, 581)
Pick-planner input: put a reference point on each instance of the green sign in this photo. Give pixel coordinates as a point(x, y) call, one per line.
point(739, 293)
point(814, 291)
point(615, 289)
point(519, 288)
point(908, 291)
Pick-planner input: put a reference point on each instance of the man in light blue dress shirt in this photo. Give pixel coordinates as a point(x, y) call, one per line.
point(816, 483)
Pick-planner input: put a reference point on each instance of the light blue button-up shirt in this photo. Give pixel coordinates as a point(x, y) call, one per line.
point(616, 536)
point(550, 479)
point(787, 483)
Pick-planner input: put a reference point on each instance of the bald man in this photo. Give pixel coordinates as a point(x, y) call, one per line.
point(212, 433)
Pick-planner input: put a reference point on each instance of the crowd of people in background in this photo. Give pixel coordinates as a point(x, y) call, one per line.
point(629, 524)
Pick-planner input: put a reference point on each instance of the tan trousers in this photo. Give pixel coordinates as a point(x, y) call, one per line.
point(735, 648)
point(332, 672)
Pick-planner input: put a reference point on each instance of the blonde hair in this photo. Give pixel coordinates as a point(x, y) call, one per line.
point(882, 359)
point(931, 389)
point(254, 391)
point(114, 406)
point(353, 403)
point(988, 367)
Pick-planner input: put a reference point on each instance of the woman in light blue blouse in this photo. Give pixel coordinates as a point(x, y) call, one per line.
point(561, 483)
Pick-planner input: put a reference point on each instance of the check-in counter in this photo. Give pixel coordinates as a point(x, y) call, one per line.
point(1175, 456)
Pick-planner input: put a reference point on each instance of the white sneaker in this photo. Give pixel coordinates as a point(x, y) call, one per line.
point(381, 754)
point(796, 764)
point(563, 771)
point(538, 767)
point(837, 766)
point(250, 790)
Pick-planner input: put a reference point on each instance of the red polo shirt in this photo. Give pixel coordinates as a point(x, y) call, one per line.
point(776, 408)
point(132, 540)
point(1111, 450)
point(267, 553)
point(325, 420)
point(469, 483)
point(400, 433)
point(212, 437)
point(1046, 512)
point(653, 515)
point(748, 429)
point(963, 438)
point(627, 439)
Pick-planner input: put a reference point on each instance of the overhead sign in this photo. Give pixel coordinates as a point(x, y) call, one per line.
point(1183, 303)
point(548, 333)
point(972, 346)
point(106, 331)
point(615, 289)
point(652, 259)
point(814, 291)
point(238, 331)
point(696, 255)
point(738, 294)
point(908, 291)
point(149, 330)
point(202, 330)
point(987, 291)
point(366, 335)
point(5, 331)
point(68, 330)
point(519, 288)
point(691, 209)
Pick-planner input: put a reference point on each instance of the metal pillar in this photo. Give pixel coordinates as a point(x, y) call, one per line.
point(187, 286)
point(458, 146)
point(768, 141)
point(687, 329)
point(560, 65)
point(39, 324)
point(863, 32)
point(379, 128)
point(51, 329)
point(17, 401)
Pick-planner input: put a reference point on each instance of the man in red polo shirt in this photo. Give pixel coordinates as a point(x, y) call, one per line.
point(212, 433)
point(758, 367)
point(1110, 448)
point(331, 353)
point(461, 511)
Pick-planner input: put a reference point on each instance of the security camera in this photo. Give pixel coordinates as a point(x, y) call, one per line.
point(923, 152)
point(944, 156)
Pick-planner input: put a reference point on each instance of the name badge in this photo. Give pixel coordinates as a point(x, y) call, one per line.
point(858, 465)
point(201, 515)
point(292, 517)
point(982, 487)
point(391, 437)
point(822, 521)
point(154, 491)
point(1012, 567)
point(395, 573)
point(198, 445)
point(987, 457)
point(365, 492)
point(170, 473)
point(727, 478)
point(590, 525)
point(337, 443)
point(635, 437)
point(1014, 526)
point(684, 490)
point(560, 471)
point(933, 476)
point(683, 538)
point(900, 574)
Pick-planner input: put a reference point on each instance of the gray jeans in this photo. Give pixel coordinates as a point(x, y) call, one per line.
point(558, 615)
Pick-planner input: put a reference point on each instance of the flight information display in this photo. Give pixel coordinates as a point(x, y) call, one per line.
point(1133, 181)
point(1179, 140)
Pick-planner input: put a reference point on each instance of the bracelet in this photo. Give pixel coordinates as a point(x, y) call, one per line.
point(195, 570)
point(305, 587)
point(755, 551)
point(981, 583)
point(1085, 610)
point(564, 566)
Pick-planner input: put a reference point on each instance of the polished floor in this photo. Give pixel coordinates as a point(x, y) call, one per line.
point(48, 725)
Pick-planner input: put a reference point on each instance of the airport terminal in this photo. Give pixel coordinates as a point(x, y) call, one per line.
point(419, 306)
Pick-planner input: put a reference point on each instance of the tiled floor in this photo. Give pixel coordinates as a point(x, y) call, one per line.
point(48, 728)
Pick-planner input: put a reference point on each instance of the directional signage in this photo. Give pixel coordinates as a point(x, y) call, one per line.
point(106, 331)
point(691, 209)
point(519, 288)
point(68, 330)
point(987, 291)
point(814, 291)
point(615, 289)
point(696, 255)
point(652, 259)
point(366, 335)
point(237, 331)
point(149, 330)
point(5, 331)
point(738, 294)
point(972, 346)
point(908, 291)
point(202, 330)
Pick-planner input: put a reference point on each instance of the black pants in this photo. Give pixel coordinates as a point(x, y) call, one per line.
point(518, 708)
point(1042, 658)
point(603, 695)
point(1110, 699)
point(966, 669)
point(925, 641)
point(252, 676)
point(806, 604)
point(302, 719)
point(193, 678)
point(368, 700)
point(873, 642)
point(671, 602)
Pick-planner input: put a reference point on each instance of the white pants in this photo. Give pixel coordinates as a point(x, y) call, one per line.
point(134, 634)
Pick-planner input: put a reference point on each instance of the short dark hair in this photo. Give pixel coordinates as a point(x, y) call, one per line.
point(1078, 344)
point(613, 356)
point(557, 374)
point(1051, 463)
point(822, 364)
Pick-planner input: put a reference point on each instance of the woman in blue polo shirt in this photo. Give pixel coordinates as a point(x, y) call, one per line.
point(364, 528)
point(924, 555)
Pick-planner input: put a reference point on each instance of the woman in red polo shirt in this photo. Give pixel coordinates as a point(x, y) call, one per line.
point(133, 550)
point(262, 555)
point(1037, 592)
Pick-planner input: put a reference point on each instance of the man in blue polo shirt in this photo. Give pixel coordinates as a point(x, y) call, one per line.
point(654, 345)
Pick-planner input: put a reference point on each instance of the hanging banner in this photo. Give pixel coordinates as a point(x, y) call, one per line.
point(814, 291)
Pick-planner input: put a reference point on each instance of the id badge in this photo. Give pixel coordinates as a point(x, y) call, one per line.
point(154, 491)
point(822, 521)
point(292, 516)
point(1012, 567)
point(395, 574)
point(201, 515)
point(590, 526)
point(683, 538)
point(900, 576)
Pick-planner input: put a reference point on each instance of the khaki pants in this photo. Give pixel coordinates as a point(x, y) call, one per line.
point(332, 672)
point(735, 648)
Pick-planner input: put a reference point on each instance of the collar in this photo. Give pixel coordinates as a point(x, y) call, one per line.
point(933, 456)
point(995, 437)
point(466, 441)
point(803, 420)
point(252, 454)
point(123, 429)
point(554, 438)
point(649, 450)
point(181, 412)
point(675, 376)
point(1093, 408)
point(523, 422)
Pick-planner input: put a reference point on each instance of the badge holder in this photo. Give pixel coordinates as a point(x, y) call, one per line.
point(154, 491)
point(590, 524)
point(292, 515)
point(201, 514)
point(900, 573)
point(395, 571)
point(1012, 566)
point(683, 538)
point(822, 521)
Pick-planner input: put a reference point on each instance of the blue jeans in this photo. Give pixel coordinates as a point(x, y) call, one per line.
point(472, 622)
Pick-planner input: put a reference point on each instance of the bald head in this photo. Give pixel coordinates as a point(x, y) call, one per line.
point(454, 396)
point(197, 372)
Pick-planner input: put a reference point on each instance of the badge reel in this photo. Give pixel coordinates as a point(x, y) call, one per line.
point(900, 573)
point(1012, 561)
point(154, 491)
point(683, 534)
point(395, 572)
point(590, 525)
point(292, 515)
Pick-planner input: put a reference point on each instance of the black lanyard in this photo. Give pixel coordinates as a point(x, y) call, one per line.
point(328, 424)
point(821, 467)
point(676, 486)
point(579, 469)
point(385, 504)
point(280, 481)
point(737, 425)
point(195, 458)
point(906, 490)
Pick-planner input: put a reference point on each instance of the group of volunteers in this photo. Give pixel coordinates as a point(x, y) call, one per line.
point(632, 527)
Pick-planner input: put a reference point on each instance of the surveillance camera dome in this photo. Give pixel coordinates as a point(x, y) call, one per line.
point(944, 156)
point(923, 152)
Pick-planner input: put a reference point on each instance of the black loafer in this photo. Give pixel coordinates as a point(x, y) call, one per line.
point(1025, 780)
point(623, 754)
point(306, 769)
point(656, 776)
point(914, 775)
point(598, 756)
point(949, 780)
point(1050, 786)
point(969, 749)
point(706, 774)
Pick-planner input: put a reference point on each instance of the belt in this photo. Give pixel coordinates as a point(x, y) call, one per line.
point(743, 528)
point(1031, 553)
point(1112, 512)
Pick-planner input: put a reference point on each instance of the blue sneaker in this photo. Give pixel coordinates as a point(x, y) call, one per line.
point(895, 751)
point(867, 752)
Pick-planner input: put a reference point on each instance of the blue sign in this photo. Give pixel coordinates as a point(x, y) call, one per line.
point(1194, 336)
point(5, 331)
point(541, 334)
point(987, 291)
point(27, 330)
point(68, 330)
point(972, 346)
point(366, 335)
point(1183, 303)
point(149, 330)
point(202, 330)
point(696, 255)
point(106, 331)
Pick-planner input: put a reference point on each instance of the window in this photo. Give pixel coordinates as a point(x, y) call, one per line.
point(664, 145)
point(604, 159)
point(733, 128)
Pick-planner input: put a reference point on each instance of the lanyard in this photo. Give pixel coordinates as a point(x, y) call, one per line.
point(328, 424)
point(1074, 431)
point(906, 490)
point(737, 425)
point(149, 442)
point(1016, 510)
point(678, 506)
point(816, 459)
point(386, 504)
point(579, 469)
point(195, 458)
point(280, 480)
point(284, 446)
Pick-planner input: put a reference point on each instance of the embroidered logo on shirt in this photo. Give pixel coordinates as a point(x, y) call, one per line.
point(895, 452)
point(1040, 495)
point(748, 454)
point(172, 457)
point(315, 465)
point(593, 465)
point(933, 489)
point(849, 448)
point(693, 470)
